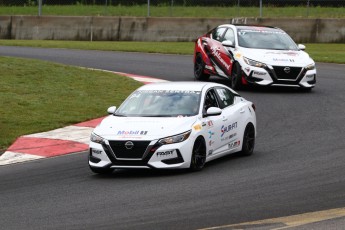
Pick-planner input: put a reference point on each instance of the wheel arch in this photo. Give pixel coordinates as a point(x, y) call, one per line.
point(195, 138)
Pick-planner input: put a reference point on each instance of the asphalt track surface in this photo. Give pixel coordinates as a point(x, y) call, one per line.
point(298, 165)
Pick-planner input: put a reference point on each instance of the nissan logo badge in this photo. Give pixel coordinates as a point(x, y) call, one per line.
point(287, 69)
point(129, 145)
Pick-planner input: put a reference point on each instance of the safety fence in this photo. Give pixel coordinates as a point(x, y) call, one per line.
point(178, 8)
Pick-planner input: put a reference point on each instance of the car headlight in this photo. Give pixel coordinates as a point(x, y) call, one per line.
point(310, 67)
point(97, 139)
point(254, 63)
point(175, 139)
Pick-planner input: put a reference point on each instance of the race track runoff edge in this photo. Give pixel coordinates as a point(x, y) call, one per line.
point(66, 140)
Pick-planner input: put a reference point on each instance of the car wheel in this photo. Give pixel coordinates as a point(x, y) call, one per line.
point(198, 155)
point(199, 68)
point(248, 140)
point(236, 76)
point(101, 170)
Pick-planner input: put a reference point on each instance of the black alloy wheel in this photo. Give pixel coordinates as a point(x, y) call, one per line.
point(236, 76)
point(248, 140)
point(198, 159)
point(199, 68)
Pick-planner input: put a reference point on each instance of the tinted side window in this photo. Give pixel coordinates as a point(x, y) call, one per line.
point(230, 36)
point(210, 100)
point(226, 97)
point(218, 33)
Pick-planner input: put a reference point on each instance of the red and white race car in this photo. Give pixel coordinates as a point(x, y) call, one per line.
point(258, 55)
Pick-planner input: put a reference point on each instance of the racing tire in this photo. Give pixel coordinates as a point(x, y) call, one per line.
point(248, 140)
point(101, 170)
point(198, 158)
point(199, 68)
point(236, 76)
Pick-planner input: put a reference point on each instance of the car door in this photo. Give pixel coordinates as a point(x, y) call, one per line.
point(228, 134)
point(219, 54)
point(212, 123)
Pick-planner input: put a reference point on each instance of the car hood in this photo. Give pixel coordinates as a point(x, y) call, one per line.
point(278, 57)
point(142, 128)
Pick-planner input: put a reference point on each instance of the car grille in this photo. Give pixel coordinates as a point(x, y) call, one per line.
point(292, 75)
point(136, 152)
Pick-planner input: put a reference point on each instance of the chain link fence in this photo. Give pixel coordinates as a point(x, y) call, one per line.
point(181, 8)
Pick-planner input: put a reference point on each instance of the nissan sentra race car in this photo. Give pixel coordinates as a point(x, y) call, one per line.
point(173, 125)
point(258, 55)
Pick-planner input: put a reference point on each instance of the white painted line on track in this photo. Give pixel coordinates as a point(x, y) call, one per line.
point(70, 133)
point(12, 157)
point(287, 221)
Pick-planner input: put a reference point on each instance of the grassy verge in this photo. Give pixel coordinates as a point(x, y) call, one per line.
point(147, 47)
point(178, 11)
point(333, 53)
point(37, 96)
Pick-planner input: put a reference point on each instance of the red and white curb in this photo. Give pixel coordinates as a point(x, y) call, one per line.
point(67, 140)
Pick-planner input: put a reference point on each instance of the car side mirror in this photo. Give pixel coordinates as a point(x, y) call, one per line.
point(228, 43)
point(301, 47)
point(213, 111)
point(111, 110)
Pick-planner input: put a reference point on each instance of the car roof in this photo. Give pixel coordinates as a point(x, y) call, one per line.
point(179, 85)
point(249, 26)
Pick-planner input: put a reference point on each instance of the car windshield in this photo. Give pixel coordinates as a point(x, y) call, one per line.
point(160, 103)
point(259, 38)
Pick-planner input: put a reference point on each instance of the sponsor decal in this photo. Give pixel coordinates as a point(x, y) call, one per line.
point(293, 54)
point(228, 128)
point(96, 151)
point(238, 55)
point(168, 91)
point(197, 127)
point(259, 73)
point(259, 30)
point(210, 134)
point(210, 143)
point(234, 144)
point(165, 153)
point(229, 137)
point(210, 123)
point(283, 59)
point(209, 67)
point(131, 132)
point(215, 52)
point(247, 69)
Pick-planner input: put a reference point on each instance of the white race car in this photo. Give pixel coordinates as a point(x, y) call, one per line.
point(258, 55)
point(173, 125)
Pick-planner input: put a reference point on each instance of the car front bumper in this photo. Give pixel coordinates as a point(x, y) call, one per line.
point(279, 76)
point(149, 155)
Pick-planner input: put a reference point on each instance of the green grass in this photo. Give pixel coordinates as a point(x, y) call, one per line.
point(323, 52)
point(178, 11)
point(37, 96)
point(332, 53)
point(147, 47)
